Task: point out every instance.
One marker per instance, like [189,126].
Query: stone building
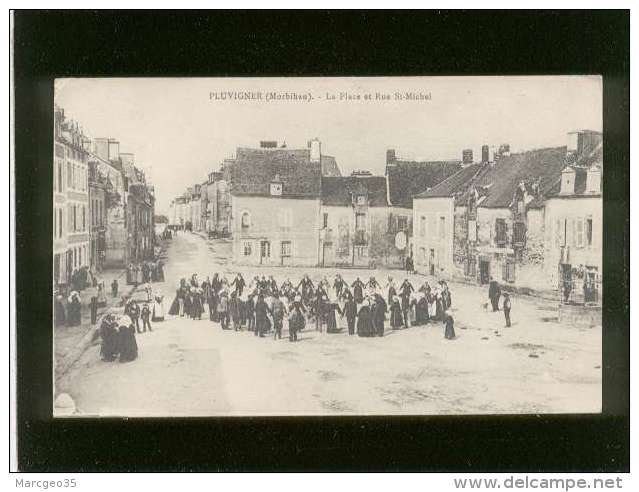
[354,221]
[275,201]
[71,227]
[491,219]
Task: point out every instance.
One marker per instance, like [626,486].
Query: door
[431,262]
[265,251]
[484,271]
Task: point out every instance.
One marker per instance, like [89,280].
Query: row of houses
[103,207]
[531,220]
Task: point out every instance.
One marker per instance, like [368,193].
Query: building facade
[71,228]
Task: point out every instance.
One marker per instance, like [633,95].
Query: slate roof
[456,183]
[409,178]
[501,180]
[496,183]
[254,169]
[337,191]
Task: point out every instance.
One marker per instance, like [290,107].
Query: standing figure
[390,290]
[160,272]
[250,312]
[234,310]
[74,309]
[338,285]
[146,315]
[449,322]
[396,319]
[279,311]
[364,321]
[372,285]
[126,342]
[296,320]
[114,288]
[329,314]
[158,307]
[261,316]
[223,309]
[494,293]
[378,313]
[350,311]
[239,284]
[109,348]
[405,292]
[506,307]
[358,291]
[133,310]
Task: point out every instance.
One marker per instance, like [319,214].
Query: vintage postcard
[327,246]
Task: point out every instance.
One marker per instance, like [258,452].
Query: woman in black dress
[364,321]
[110,347]
[449,322]
[126,339]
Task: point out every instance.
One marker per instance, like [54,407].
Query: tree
[160,219]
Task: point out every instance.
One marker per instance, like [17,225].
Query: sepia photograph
[327,246]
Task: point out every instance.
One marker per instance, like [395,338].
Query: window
[579,233]
[560,232]
[500,232]
[286,248]
[246,220]
[325,224]
[285,218]
[508,271]
[361,200]
[519,233]
[442,228]
[589,231]
[59,222]
[360,222]
[422,226]
[248,249]
[361,251]
[402,223]
[84,225]
[75,218]
[69,176]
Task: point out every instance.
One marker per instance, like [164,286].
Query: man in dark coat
[494,293]
[350,311]
[250,312]
[114,287]
[133,310]
[404,293]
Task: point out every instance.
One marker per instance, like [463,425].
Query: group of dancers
[262,306]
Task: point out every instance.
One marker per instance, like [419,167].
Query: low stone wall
[579,315]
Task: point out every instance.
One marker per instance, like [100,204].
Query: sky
[180,129]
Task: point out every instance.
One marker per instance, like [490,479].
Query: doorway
[484,271]
[265,251]
[431,263]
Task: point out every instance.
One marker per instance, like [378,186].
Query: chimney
[581,143]
[467,157]
[504,150]
[127,158]
[485,154]
[114,150]
[268,144]
[593,180]
[86,144]
[101,148]
[567,181]
[316,150]
[390,156]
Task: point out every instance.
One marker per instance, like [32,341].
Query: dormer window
[593,180]
[361,200]
[246,220]
[568,181]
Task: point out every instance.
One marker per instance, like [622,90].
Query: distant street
[194,368]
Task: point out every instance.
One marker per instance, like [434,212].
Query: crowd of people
[145,272]
[262,306]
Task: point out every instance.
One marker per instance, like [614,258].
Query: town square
[358,272]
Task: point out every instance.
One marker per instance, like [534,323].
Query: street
[193,368]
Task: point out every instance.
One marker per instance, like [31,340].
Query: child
[449,332]
[396,315]
[145,315]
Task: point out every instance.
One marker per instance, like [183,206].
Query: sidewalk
[71,341]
